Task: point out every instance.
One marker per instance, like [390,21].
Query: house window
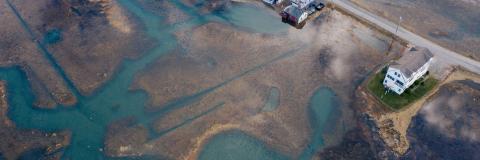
[399,90]
[399,83]
[390,77]
[398,75]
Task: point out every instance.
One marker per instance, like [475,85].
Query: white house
[405,71]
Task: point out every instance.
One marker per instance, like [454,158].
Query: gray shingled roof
[294,11]
[412,60]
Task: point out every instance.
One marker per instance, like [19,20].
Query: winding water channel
[88,119]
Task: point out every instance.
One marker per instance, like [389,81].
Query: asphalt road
[442,54]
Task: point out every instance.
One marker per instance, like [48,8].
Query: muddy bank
[19,48]
[88,39]
[353,146]
[126,134]
[205,87]
[447,127]
[20,143]
[454,24]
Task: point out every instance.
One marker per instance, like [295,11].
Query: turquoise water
[53,36]
[88,119]
[237,145]
[254,18]
[272,101]
[321,105]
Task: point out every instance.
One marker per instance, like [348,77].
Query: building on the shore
[299,10]
[294,14]
[402,73]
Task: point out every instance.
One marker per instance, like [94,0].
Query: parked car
[319,6]
[314,7]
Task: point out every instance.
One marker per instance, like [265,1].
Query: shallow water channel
[88,119]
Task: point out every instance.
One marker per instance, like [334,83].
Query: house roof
[412,60]
[302,3]
[294,11]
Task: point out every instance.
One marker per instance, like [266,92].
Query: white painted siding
[303,17]
[394,76]
[394,80]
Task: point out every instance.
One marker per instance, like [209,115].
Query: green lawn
[397,102]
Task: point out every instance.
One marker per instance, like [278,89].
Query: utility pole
[393,36]
[398,24]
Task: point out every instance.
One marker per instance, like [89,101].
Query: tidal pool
[53,36]
[253,18]
[321,105]
[233,145]
[236,145]
[272,101]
